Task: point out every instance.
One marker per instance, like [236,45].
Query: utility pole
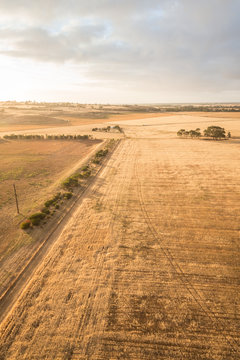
[15,193]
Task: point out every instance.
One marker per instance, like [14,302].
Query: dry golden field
[37,169]
[148,264]
[32,116]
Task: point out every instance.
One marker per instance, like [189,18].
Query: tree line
[46,137]
[213,132]
[108,129]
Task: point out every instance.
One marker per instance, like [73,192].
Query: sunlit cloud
[121,51]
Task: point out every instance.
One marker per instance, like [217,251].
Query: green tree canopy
[192,133]
[215,132]
[181,132]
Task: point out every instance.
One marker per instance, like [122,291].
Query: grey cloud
[40,44]
[153,43]
[48,11]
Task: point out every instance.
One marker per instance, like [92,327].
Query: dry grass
[37,168]
[148,265]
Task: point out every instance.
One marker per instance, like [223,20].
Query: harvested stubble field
[148,265]
[37,169]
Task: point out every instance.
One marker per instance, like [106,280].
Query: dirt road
[148,265]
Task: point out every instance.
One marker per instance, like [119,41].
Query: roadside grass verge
[76,180]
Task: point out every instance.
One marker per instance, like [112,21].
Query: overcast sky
[120,51]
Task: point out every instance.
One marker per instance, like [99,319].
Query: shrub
[68,195]
[96,161]
[45,210]
[85,168]
[85,174]
[101,153]
[53,201]
[57,196]
[25,224]
[48,203]
[75,176]
[36,218]
[71,182]
[38,215]
[36,221]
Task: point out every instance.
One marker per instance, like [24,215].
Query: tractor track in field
[180,273]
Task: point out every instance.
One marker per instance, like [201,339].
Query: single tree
[181,132]
[215,132]
[195,133]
